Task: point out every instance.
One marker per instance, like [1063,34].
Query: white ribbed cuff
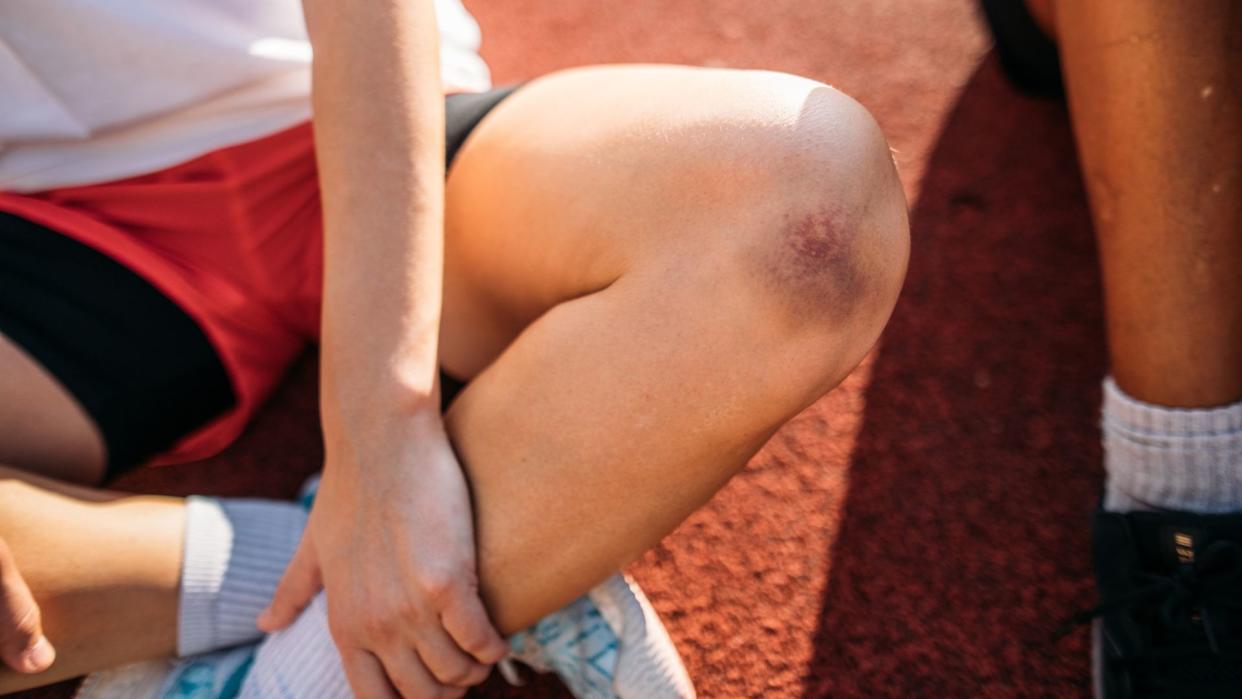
[235,554]
[1171,458]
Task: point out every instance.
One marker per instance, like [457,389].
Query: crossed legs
[648,271]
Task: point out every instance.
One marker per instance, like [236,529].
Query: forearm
[394,547]
[379,134]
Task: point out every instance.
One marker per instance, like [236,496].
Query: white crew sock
[235,554]
[298,662]
[1170,458]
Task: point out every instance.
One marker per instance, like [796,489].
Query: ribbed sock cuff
[1171,458]
[235,554]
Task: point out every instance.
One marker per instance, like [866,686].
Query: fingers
[22,644]
[402,675]
[401,672]
[366,676]
[300,584]
[467,622]
[416,655]
[447,663]
[412,678]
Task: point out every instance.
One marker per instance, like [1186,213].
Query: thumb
[23,646]
[296,589]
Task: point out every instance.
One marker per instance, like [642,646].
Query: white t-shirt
[98,90]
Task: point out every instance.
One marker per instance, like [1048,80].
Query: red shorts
[232,238]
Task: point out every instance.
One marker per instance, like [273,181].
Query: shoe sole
[1097,659]
[680,686]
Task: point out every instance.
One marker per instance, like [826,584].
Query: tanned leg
[1155,92]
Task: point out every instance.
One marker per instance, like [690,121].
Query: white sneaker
[217,675]
[607,644]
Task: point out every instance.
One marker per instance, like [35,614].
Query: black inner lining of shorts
[463,112]
[135,361]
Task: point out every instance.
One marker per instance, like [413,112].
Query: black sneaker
[1169,623]
[1028,57]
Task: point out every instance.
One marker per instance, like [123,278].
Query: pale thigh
[647,271]
[42,428]
[583,175]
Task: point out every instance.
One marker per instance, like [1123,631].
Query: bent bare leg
[648,271]
[103,568]
[702,254]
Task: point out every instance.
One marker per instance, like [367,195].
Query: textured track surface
[921,530]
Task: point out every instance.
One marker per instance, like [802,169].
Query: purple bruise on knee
[815,266]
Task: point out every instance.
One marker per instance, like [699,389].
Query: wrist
[349,392]
[369,427]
